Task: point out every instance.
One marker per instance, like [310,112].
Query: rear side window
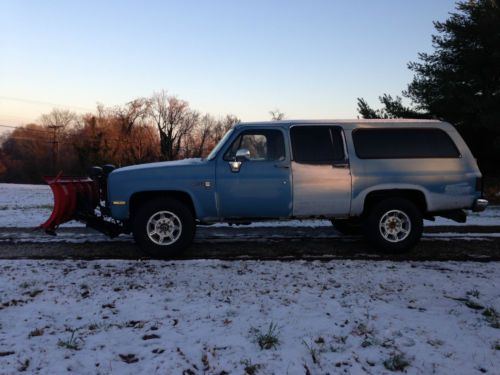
[400,143]
[317,144]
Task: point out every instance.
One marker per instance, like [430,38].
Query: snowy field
[30,205]
[248,317]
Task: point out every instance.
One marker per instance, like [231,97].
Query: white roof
[351,123]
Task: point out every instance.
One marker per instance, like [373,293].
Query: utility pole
[55,145]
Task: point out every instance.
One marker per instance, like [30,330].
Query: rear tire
[394,225]
[164,227]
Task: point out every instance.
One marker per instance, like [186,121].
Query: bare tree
[222,126]
[58,117]
[174,119]
[276,114]
[206,133]
[204,130]
[133,113]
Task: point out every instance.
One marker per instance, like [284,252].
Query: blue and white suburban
[379,177]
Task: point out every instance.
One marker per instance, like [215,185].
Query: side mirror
[241,155]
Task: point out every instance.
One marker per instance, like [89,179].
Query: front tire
[394,225]
[164,227]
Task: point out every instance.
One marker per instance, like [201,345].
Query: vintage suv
[381,177]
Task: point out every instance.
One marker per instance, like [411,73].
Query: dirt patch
[283,249]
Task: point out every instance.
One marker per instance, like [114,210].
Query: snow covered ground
[30,205]
[215,317]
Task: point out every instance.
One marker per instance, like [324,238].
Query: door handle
[340,165]
[283,166]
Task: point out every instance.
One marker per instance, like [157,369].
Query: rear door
[320,171]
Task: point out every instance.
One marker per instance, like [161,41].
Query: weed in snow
[36,332]
[73,343]
[492,317]
[250,368]
[98,326]
[435,342]
[473,305]
[205,361]
[396,362]
[473,293]
[23,366]
[340,342]
[150,337]
[496,345]
[362,329]
[129,358]
[25,285]
[269,339]
[313,352]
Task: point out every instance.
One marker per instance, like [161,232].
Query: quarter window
[317,144]
[264,145]
[409,143]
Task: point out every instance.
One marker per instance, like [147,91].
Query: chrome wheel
[395,226]
[164,228]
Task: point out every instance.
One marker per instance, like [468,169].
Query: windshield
[220,144]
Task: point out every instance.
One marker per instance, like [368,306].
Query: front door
[320,170]
[253,176]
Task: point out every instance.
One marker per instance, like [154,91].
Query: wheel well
[137,199]
[415,196]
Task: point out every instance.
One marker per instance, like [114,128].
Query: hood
[161,164]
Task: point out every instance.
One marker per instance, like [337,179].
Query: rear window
[317,144]
[403,144]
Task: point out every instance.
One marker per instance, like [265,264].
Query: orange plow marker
[75,198]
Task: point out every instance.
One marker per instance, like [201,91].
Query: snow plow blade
[75,198]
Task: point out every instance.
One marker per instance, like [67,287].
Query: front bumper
[479,205]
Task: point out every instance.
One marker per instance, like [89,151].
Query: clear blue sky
[310,59]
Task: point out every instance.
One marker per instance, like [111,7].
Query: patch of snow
[205,316]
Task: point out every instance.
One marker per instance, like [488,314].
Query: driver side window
[264,145]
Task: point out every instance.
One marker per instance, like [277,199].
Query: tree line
[160,127]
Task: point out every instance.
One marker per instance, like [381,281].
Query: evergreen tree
[460,80]
[392,108]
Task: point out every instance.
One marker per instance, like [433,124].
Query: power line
[44,103]
[30,139]
[23,128]
[86,138]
